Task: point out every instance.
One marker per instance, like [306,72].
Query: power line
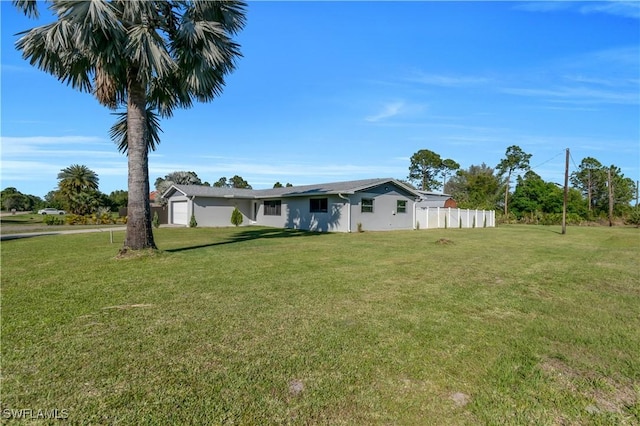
[551,159]
[573,161]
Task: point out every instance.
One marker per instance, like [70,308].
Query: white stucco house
[376,204]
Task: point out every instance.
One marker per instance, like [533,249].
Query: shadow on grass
[11,220]
[252,234]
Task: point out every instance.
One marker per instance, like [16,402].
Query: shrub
[156,220]
[634,217]
[193,223]
[236,217]
[53,220]
[73,219]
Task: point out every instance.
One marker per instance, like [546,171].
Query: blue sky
[331,91]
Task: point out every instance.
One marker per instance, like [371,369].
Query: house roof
[209,191]
[345,187]
[426,195]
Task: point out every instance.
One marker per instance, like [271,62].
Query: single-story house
[375,204]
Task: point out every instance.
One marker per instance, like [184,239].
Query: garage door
[179,212]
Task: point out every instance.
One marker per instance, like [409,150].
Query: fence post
[427,218]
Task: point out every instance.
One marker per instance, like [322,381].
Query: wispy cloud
[50,140]
[389,110]
[446,80]
[625,9]
[577,95]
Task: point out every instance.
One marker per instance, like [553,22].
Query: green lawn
[512,325]
[31,222]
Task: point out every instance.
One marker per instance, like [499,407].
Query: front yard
[512,325]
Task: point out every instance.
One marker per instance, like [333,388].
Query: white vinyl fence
[441,217]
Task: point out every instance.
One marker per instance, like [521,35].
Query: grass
[512,325]
[31,222]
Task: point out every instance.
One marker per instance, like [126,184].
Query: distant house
[375,204]
[435,199]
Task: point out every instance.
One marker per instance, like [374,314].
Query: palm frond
[51,49]
[28,7]
[147,50]
[119,134]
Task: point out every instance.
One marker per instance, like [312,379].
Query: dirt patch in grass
[610,395]
[444,241]
[460,399]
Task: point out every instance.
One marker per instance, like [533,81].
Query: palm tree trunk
[139,230]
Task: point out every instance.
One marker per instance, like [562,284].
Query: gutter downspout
[348,211]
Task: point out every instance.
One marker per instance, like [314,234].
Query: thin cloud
[447,80]
[388,111]
[578,95]
[51,140]
[625,9]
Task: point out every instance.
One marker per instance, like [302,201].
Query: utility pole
[566,194]
[610,185]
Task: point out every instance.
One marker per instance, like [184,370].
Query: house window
[401,206]
[272,208]
[319,205]
[367,205]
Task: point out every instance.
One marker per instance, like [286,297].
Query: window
[272,208]
[319,205]
[401,206]
[367,205]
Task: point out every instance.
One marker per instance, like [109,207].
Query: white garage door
[179,212]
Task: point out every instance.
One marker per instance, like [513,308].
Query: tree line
[596,190]
[77,191]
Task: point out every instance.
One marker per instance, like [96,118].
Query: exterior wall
[385,215]
[295,214]
[217,211]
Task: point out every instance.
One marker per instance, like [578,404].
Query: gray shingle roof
[346,187]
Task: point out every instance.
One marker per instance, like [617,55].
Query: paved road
[73,231]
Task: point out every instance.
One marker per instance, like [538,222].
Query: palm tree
[147,57]
[77,184]
[76,179]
